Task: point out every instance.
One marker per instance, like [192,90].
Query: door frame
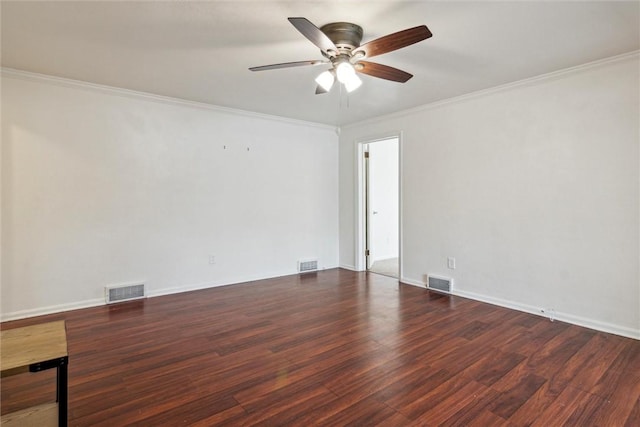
[361,188]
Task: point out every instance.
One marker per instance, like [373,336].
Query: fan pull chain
[344,95]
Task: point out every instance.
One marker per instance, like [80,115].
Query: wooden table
[33,349]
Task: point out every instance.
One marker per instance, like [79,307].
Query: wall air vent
[307,266]
[121,293]
[439,283]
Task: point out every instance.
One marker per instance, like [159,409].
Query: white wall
[104,187]
[534,188]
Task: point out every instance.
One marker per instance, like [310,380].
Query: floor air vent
[307,266]
[441,284]
[124,292]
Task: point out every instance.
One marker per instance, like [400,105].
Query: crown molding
[634,55]
[128,93]
[61,81]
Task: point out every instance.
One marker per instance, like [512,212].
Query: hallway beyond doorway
[386,267]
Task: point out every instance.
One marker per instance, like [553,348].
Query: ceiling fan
[339,43]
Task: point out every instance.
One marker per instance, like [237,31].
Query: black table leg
[62,394]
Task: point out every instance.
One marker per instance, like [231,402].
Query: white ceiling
[201,51]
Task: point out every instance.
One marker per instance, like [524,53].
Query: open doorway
[381,210]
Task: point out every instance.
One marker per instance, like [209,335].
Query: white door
[382,201]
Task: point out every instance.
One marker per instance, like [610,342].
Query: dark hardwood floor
[333,348]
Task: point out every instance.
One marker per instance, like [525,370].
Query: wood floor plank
[582,371]
[347,411]
[553,355]
[571,402]
[461,357]
[419,396]
[287,404]
[532,339]
[473,409]
[530,410]
[620,402]
[229,417]
[380,380]
[583,411]
[634,416]
[332,348]
[590,363]
[395,420]
[516,395]
[186,409]
[487,418]
[492,366]
[461,402]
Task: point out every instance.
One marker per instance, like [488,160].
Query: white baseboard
[562,317]
[412,282]
[348,267]
[23,314]
[227,282]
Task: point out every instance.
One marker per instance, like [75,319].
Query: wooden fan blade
[382,71]
[314,34]
[394,41]
[288,65]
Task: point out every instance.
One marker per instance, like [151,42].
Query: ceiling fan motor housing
[345,35]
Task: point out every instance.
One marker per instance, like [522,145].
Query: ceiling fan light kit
[352,83]
[339,43]
[347,76]
[344,71]
[326,80]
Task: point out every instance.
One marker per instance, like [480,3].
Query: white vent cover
[307,266]
[120,293]
[439,283]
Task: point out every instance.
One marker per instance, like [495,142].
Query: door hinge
[366,154]
[366,253]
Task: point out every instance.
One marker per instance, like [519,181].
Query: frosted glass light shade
[345,70]
[352,83]
[325,80]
